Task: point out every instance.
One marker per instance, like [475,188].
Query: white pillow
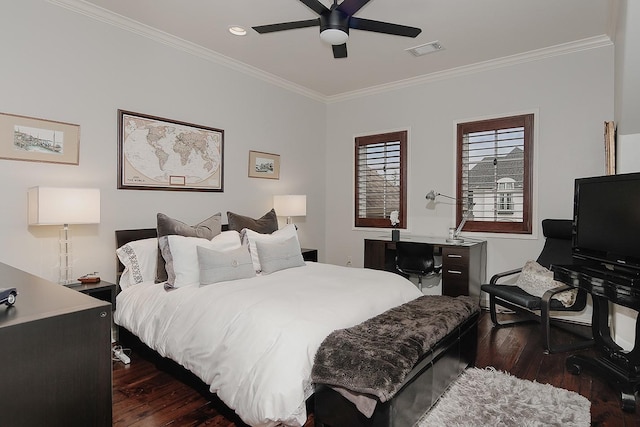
[139,258]
[250,237]
[181,256]
[275,256]
[221,266]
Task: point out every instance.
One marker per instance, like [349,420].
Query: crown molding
[534,55]
[111,18]
[108,17]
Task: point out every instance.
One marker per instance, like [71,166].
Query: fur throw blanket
[375,356]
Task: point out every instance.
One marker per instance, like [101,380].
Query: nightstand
[102,290]
[310,254]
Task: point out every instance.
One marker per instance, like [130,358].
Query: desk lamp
[64,206]
[455,236]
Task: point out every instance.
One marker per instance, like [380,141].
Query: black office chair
[413,258]
[557,250]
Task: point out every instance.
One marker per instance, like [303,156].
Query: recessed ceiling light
[423,49]
[237,30]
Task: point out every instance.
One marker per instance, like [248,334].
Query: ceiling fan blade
[316,6]
[262,29]
[383,27]
[340,50]
[352,6]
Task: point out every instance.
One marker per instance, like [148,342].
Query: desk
[620,368]
[464,266]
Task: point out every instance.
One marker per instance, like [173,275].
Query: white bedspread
[253,340]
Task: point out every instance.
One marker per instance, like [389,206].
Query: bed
[252,340]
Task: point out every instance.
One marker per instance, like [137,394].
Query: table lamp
[64,206]
[290,205]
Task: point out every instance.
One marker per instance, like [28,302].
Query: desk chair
[413,258]
[557,250]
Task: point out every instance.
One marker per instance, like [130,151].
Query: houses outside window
[506,187]
[494,174]
[380,179]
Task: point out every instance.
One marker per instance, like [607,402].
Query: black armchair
[557,250]
[413,258]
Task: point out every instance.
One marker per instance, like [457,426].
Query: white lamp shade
[57,206]
[290,205]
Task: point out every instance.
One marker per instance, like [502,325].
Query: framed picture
[264,165]
[38,140]
[162,154]
[610,148]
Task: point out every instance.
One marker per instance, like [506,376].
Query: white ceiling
[474,33]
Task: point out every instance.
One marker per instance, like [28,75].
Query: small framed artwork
[38,140]
[163,154]
[264,165]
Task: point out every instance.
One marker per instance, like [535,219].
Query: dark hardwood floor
[151,392]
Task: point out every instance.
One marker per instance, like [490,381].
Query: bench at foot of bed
[422,387]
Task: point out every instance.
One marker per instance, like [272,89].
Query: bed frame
[129,339]
[424,385]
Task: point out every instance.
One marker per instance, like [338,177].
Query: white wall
[627,112]
[627,66]
[572,95]
[64,66]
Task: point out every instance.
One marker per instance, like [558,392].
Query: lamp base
[455,240]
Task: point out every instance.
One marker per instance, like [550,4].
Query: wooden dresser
[464,266]
[55,355]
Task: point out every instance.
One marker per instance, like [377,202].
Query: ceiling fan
[335,23]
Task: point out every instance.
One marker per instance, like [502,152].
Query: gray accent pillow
[220,266]
[207,229]
[267,224]
[276,256]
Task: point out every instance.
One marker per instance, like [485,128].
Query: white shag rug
[487,397]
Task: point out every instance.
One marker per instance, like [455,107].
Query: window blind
[494,173]
[379,178]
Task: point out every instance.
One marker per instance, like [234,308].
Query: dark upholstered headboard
[125,236]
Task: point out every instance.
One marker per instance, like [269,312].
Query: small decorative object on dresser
[8,296]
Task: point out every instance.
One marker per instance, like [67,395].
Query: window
[494,174]
[380,181]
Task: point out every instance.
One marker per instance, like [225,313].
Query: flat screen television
[606,221]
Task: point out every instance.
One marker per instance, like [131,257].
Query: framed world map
[161,154]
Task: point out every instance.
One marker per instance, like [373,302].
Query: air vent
[423,49]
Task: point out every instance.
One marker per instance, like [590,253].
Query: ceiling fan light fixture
[334,36]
